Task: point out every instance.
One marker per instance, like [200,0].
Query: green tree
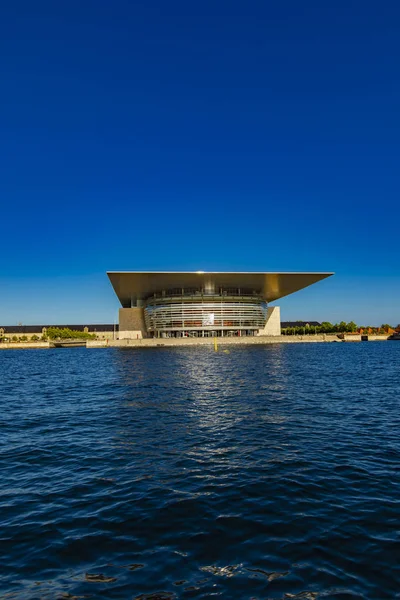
[54,333]
[326,327]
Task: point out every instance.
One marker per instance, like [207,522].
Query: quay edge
[176,342]
[245,341]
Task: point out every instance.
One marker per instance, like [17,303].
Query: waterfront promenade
[228,341]
[176,342]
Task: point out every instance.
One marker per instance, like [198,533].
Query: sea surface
[154,474]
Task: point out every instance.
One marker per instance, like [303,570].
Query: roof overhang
[131,286]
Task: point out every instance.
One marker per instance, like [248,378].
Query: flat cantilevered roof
[131,286]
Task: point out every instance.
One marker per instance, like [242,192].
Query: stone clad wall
[273,324]
[131,324]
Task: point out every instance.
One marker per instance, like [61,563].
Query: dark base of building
[204,333]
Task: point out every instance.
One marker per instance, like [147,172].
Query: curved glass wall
[202,313]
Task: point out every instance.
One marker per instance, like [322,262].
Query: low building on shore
[101,331]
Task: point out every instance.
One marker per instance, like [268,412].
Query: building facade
[101,331]
[199,304]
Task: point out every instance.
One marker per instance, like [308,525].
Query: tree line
[341,327]
[55,333]
[51,333]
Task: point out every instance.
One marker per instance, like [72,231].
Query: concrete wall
[24,345]
[209,342]
[273,324]
[105,335]
[131,324]
[355,337]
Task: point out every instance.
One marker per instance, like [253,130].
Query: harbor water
[264,472]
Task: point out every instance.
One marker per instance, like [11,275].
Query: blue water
[268,472]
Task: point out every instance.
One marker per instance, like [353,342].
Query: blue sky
[218,135]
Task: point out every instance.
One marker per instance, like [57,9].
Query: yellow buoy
[215,345]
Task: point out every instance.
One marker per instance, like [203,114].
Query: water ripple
[266,473]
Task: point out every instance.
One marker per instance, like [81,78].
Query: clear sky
[213,135]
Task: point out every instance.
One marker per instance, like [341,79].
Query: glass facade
[194,313]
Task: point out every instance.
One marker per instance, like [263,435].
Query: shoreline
[229,341]
[176,342]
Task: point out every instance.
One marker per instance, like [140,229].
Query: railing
[200,292]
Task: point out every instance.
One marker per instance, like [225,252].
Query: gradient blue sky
[213,135]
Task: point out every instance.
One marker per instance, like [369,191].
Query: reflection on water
[268,472]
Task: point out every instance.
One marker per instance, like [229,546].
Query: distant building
[200,304]
[290,324]
[38,329]
[100,330]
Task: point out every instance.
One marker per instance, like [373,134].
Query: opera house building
[201,304]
